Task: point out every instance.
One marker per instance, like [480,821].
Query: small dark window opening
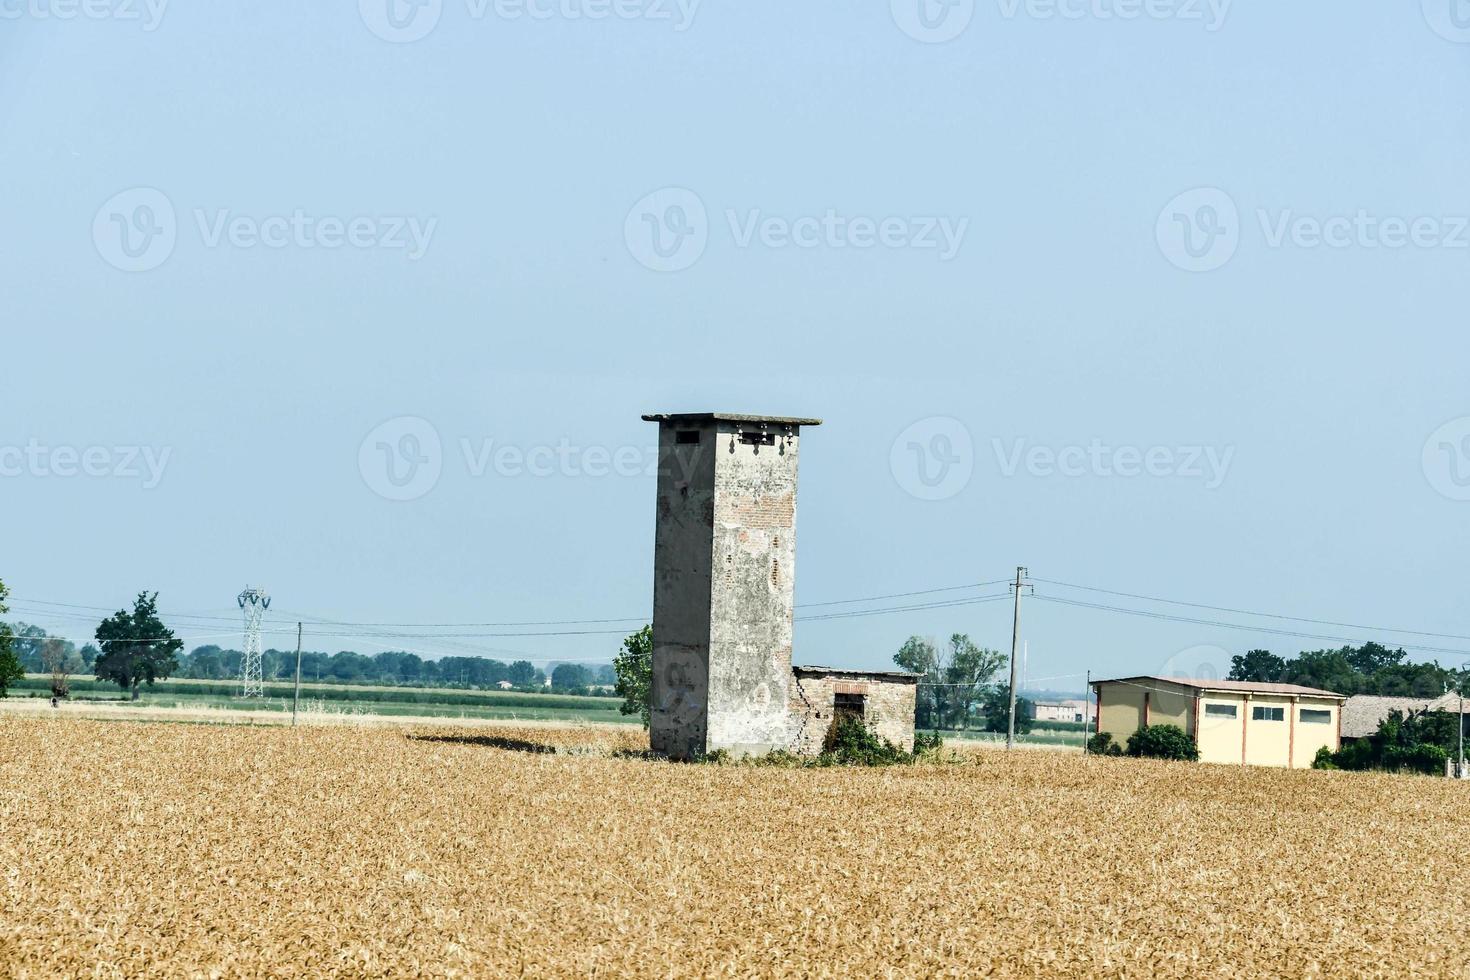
[849,706]
[686,437]
[758,438]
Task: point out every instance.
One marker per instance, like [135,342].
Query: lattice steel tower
[254,603]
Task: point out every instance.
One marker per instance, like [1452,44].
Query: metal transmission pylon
[254,603]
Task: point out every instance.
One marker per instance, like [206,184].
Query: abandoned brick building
[723,598]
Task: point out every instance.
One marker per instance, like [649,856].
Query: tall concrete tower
[724,570]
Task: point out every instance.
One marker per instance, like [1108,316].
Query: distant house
[1235,722]
[504,685]
[1070,710]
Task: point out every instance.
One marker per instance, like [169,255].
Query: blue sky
[1072,253]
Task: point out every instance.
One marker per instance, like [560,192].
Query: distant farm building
[723,598]
[1233,722]
[1074,711]
[1363,713]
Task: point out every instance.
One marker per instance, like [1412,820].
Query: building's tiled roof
[1361,713]
[1449,702]
[890,675]
[677,417]
[1245,687]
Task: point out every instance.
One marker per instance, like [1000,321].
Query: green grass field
[346,699]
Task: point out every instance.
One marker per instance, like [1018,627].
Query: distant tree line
[1369,669]
[134,648]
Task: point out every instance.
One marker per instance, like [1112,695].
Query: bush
[1102,744]
[927,743]
[1420,757]
[1163,742]
[852,743]
[1324,759]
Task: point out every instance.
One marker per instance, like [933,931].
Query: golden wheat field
[162,850]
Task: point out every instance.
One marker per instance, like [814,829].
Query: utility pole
[1015,636]
[296,698]
[1460,728]
[1086,713]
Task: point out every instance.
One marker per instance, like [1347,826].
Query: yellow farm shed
[1233,722]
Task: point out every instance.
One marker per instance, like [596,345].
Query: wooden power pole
[1015,636]
[296,698]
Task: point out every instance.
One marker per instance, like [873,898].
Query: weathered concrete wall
[752,593]
[724,568]
[682,561]
[889,708]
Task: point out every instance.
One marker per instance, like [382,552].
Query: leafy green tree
[10,665]
[1163,742]
[953,678]
[1329,670]
[28,641]
[523,673]
[136,647]
[997,707]
[634,669]
[1257,665]
[1372,657]
[570,677]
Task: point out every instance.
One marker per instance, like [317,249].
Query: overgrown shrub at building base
[1102,744]
[1420,743]
[849,743]
[163,850]
[1163,742]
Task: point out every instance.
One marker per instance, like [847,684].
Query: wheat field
[131,849]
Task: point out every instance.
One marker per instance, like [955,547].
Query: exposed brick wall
[889,708]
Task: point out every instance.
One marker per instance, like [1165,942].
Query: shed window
[686,437]
[1262,713]
[849,706]
[1316,716]
[1219,710]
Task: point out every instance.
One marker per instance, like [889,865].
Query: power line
[1170,617]
[1265,615]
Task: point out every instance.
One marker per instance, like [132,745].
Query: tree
[28,645]
[59,659]
[523,674]
[634,669]
[1329,670]
[1372,657]
[89,654]
[10,666]
[1257,665]
[997,705]
[952,680]
[570,677]
[136,647]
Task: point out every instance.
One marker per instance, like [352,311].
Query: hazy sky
[1162,298]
